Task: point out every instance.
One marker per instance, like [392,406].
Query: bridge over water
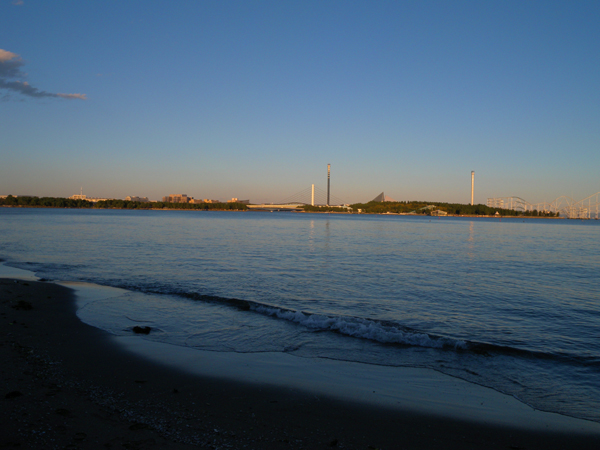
[277,207]
[309,196]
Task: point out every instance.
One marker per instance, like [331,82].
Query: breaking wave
[386,333]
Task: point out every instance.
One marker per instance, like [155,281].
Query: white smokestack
[328,177]
[472,185]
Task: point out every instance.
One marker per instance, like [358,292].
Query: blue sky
[252,99]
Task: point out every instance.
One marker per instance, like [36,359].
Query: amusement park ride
[588,208]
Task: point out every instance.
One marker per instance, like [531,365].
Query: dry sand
[69,385]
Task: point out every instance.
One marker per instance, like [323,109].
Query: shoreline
[302,212]
[79,386]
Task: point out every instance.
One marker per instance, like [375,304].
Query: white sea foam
[360,328]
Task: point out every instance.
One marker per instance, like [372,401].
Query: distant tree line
[57,202]
[416,207]
[124,204]
[426,208]
[311,208]
[48,202]
[200,206]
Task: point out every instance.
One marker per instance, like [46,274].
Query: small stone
[141,330]
[24,305]
[80,436]
[13,394]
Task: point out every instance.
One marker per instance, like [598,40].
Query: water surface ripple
[513,304]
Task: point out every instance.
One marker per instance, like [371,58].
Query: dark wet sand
[66,384]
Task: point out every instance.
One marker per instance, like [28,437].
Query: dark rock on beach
[13,394]
[142,330]
[24,305]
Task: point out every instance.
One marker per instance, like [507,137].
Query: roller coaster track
[588,208]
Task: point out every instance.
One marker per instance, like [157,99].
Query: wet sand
[66,384]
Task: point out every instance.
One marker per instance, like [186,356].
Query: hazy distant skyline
[252,99]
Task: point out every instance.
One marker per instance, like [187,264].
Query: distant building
[133,198]
[183,198]
[17,196]
[79,196]
[177,198]
[383,198]
[236,200]
[89,199]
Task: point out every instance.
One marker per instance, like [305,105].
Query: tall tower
[472,185]
[328,178]
[312,197]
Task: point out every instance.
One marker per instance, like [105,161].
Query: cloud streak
[11,77]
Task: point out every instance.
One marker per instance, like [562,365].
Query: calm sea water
[512,304]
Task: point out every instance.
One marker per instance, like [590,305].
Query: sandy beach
[69,385]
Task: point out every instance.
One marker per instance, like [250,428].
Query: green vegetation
[123,204]
[54,202]
[310,208]
[414,207]
[426,208]
[48,202]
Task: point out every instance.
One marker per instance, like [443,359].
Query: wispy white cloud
[18,2]
[80,96]
[11,77]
